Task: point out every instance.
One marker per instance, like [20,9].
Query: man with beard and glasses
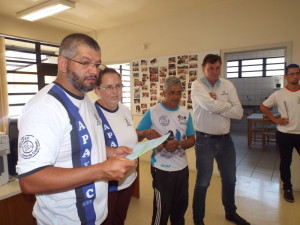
[287,101]
[62,152]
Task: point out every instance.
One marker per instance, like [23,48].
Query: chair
[269,132]
[257,131]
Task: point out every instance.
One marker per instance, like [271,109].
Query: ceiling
[91,15]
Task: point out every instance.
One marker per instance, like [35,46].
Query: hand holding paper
[144,147]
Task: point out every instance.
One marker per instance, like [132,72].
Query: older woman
[119,131]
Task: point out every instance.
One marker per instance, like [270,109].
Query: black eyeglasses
[86,65]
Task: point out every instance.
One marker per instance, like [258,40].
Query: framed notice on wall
[148,76]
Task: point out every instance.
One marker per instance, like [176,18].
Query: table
[256,124]
[15,207]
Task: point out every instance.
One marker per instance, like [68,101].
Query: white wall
[224,25]
[254,90]
[30,30]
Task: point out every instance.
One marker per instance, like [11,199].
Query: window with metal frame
[263,63]
[23,60]
[124,70]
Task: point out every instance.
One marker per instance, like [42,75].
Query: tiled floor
[258,193]
[256,162]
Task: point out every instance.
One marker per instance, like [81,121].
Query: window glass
[20,77]
[49,59]
[233,63]
[20,56]
[124,70]
[22,88]
[49,79]
[19,99]
[276,60]
[232,75]
[232,69]
[275,67]
[252,62]
[21,66]
[126,94]
[15,110]
[252,68]
[260,63]
[127,104]
[275,73]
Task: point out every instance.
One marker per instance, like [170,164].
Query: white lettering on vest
[86,153]
[90,193]
[106,127]
[85,138]
[113,144]
[87,202]
[110,134]
[81,126]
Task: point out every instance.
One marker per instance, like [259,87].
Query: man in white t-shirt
[62,153]
[287,101]
[169,167]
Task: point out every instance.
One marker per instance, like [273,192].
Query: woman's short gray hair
[171,81]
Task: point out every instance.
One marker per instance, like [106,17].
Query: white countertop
[10,189]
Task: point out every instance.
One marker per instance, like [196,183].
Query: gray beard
[78,83]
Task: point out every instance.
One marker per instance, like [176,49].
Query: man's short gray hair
[69,44]
[171,81]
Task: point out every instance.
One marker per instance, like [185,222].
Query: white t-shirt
[120,121]
[291,110]
[45,139]
[163,120]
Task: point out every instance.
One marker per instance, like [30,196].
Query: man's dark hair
[289,67]
[102,72]
[211,58]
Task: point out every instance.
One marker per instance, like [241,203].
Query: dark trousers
[170,196]
[118,202]
[208,148]
[286,143]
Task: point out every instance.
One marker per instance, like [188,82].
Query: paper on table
[144,147]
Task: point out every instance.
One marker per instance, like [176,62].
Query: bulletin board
[148,76]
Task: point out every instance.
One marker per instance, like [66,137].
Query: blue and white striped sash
[81,155]
[110,140]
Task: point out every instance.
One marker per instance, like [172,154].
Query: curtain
[3,88]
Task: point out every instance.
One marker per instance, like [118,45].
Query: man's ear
[62,64]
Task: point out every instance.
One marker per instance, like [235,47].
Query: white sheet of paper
[142,148]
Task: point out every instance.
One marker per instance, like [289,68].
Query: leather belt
[212,135]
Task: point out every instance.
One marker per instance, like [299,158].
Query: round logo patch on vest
[164,120]
[29,146]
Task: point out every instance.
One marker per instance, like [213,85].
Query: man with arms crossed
[287,101]
[62,150]
[215,102]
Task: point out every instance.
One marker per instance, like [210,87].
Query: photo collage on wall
[148,76]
